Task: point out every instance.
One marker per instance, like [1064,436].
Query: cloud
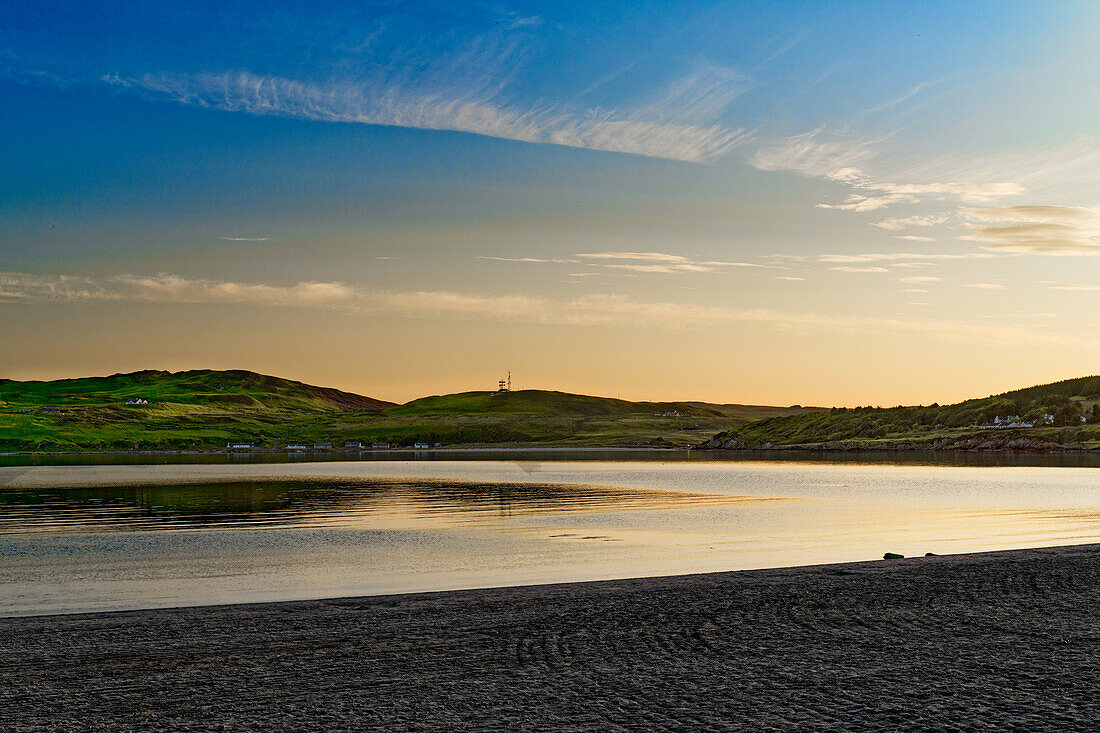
[1049,170]
[903,98]
[786,277]
[984,286]
[1069,286]
[455,104]
[859,269]
[890,257]
[702,94]
[1056,214]
[916,279]
[588,310]
[881,194]
[661,262]
[647,256]
[913,290]
[528,259]
[915,238]
[667,268]
[245,239]
[896,224]
[844,159]
[1036,229]
[816,154]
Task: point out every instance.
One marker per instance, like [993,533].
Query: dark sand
[1006,640]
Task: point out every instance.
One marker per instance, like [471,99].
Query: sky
[828,203]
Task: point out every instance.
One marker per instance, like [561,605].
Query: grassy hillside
[1062,412]
[202,410]
[195,409]
[197,387]
[542,402]
[756,412]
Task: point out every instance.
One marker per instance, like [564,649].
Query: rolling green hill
[197,387]
[1063,413]
[203,410]
[542,402]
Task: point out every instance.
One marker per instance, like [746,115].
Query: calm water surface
[101,537]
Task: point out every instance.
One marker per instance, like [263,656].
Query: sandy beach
[1007,640]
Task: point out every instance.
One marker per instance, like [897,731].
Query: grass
[203,410]
[1072,404]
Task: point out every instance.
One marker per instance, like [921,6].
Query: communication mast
[505,385]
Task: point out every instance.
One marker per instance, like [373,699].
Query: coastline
[977,444]
[966,443]
[988,640]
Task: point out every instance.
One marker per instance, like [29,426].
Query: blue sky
[567,189]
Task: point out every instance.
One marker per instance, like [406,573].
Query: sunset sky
[817,203]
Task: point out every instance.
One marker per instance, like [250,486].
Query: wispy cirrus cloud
[1045,170]
[661,262]
[471,106]
[816,154]
[898,223]
[588,310]
[1070,286]
[872,194]
[1021,229]
[538,260]
[889,257]
[843,158]
[645,256]
[245,239]
[651,262]
[914,91]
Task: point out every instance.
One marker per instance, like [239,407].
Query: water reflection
[314,503]
[537,455]
[114,537]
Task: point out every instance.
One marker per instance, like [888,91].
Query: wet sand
[1003,641]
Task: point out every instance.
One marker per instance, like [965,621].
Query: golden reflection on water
[376,503]
[97,538]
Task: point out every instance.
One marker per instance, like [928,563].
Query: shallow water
[105,537]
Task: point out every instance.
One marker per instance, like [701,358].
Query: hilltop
[547,402]
[195,387]
[1044,417]
[205,409]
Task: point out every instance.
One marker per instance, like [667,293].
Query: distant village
[349,445]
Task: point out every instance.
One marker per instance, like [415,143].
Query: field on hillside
[205,410]
[1066,412]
